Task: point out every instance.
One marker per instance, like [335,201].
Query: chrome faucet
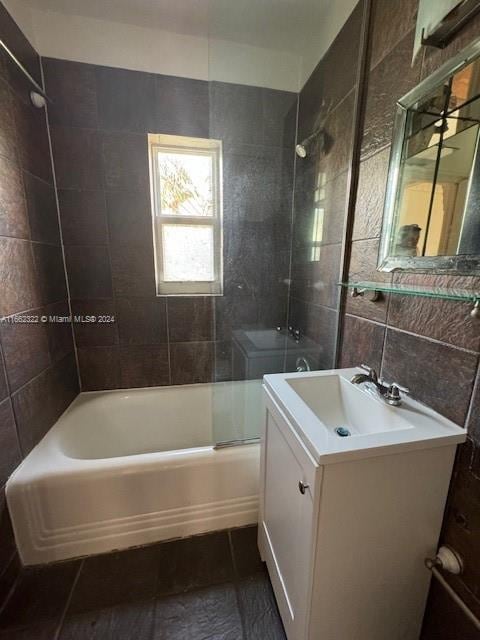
[390,392]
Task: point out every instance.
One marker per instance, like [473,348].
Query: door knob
[302,487]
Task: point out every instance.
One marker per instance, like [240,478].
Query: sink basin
[337,420]
[340,404]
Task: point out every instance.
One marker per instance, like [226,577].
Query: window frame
[189,146]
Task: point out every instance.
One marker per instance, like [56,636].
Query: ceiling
[285,25]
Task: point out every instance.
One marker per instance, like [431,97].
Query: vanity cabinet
[345,542]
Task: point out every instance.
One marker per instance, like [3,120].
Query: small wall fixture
[37,99]
[302,148]
[447,559]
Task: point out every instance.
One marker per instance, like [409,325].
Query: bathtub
[131,467]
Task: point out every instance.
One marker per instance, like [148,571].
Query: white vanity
[346,521]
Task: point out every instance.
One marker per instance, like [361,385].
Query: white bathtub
[131,467]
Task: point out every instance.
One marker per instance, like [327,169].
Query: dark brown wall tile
[39,403]
[279,118]
[93,334]
[129,218]
[9,450]
[125,161]
[311,103]
[181,106]
[3,378]
[462,531]
[318,324]
[143,366]
[8,134]
[223,361]
[32,140]
[25,349]
[142,321]
[474,415]
[335,205]
[362,343]
[444,620]
[384,89]
[126,99]
[50,272]
[236,113]
[442,377]
[363,266]
[42,210]
[89,274]
[192,362]
[391,23]
[13,213]
[18,278]
[190,319]
[343,56]
[77,158]
[60,336]
[9,563]
[16,41]
[327,276]
[371,196]
[99,368]
[443,320]
[133,271]
[84,219]
[72,88]
[336,157]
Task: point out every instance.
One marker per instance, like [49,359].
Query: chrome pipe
[432,565]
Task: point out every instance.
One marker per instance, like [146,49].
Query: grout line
[40,373]
[415,335]
[235,584]
[167,318]
[62,244]
[67,604]
[32,309]
[434,340]
[369,155]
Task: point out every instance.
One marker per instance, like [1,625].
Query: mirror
[432,208]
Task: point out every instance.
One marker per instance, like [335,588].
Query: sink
[337,420]
[340,404]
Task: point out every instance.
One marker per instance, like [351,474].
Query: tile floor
[209,587]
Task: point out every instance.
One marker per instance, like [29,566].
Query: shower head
[302,147]
[301,151]
[37,99]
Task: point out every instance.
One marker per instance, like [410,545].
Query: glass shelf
[465,295]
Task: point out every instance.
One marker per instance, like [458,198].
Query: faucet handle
[395,385]
[371,372]
[392,394]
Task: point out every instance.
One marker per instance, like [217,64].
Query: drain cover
[342,432]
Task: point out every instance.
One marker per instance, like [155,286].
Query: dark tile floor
[210,587]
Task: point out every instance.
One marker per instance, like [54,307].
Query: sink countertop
[376,428]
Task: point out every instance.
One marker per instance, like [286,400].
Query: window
[186,183]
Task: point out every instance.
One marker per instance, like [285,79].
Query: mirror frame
[460,264]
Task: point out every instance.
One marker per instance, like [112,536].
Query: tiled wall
[327,97]
[431,346]
[38,376]
[99,123]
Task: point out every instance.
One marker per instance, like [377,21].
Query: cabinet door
[287,525]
